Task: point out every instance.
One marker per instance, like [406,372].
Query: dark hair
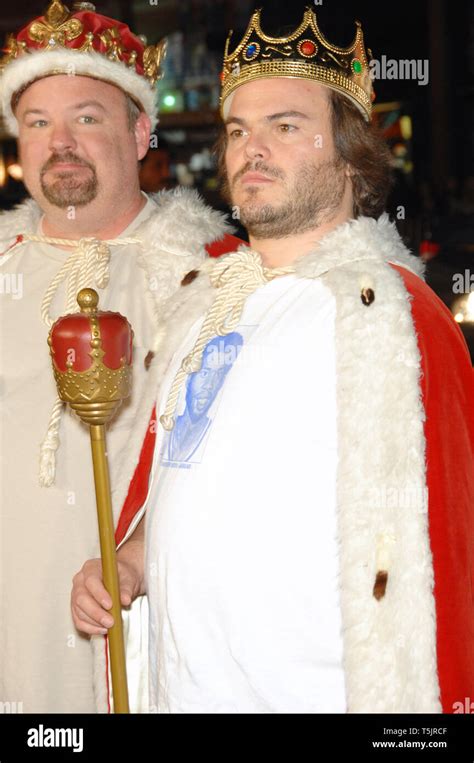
[364,148]
[357,143]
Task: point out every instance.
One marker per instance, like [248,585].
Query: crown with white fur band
[80,42]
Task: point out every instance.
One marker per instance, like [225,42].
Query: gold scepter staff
[91,352]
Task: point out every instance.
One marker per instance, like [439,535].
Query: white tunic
[46,534]
[242,560]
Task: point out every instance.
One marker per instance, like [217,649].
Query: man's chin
[259,213]
[198,413]
[256,199]
[76,196]
[259,193]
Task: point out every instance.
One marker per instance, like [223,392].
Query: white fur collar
[173,239]
[183,225]
[359,240]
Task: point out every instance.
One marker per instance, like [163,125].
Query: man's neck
[280,252]
[85,224]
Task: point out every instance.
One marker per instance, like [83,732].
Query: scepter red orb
[92,356]
[72,341]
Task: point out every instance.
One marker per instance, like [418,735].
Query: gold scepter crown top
[91,352]
[305,53]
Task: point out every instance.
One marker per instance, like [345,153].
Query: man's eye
[87,120]
[236,134]
[38,123]
[286,128]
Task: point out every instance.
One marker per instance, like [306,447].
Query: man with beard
[319,555]
[79,91]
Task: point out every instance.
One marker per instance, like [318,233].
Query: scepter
[91,353]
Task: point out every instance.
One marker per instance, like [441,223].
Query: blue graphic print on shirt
[201,390]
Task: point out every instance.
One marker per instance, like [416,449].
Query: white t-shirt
[242,559]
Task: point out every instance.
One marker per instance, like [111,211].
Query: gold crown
[305,53]
[81,42]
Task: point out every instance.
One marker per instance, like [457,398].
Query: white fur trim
[182,226]
[32,66]
[362,239]
[390,656]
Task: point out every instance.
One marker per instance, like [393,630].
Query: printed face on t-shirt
[201,391]
[203,385]
[202,388]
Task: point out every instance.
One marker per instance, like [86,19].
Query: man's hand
[90,601]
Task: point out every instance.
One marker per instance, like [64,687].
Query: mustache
[259,166]
[67,157]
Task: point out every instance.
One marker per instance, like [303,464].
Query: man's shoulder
[22,219]
[438,333]
[185,206]
[183,224]
[424,299]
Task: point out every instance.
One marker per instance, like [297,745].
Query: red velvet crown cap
[71,341]
[96,24]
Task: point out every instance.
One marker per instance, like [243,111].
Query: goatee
[68,189]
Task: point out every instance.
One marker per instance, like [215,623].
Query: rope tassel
[49,446]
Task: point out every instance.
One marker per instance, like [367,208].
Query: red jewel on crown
[307,48]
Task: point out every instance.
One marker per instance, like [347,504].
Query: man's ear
[142,134]
[349,172]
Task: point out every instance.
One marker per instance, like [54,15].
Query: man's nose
[62,138]
[256,147]
[208,383]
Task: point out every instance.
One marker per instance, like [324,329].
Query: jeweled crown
[80,42]
[305,53]
[83,30]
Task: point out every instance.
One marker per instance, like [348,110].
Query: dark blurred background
[430,127]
